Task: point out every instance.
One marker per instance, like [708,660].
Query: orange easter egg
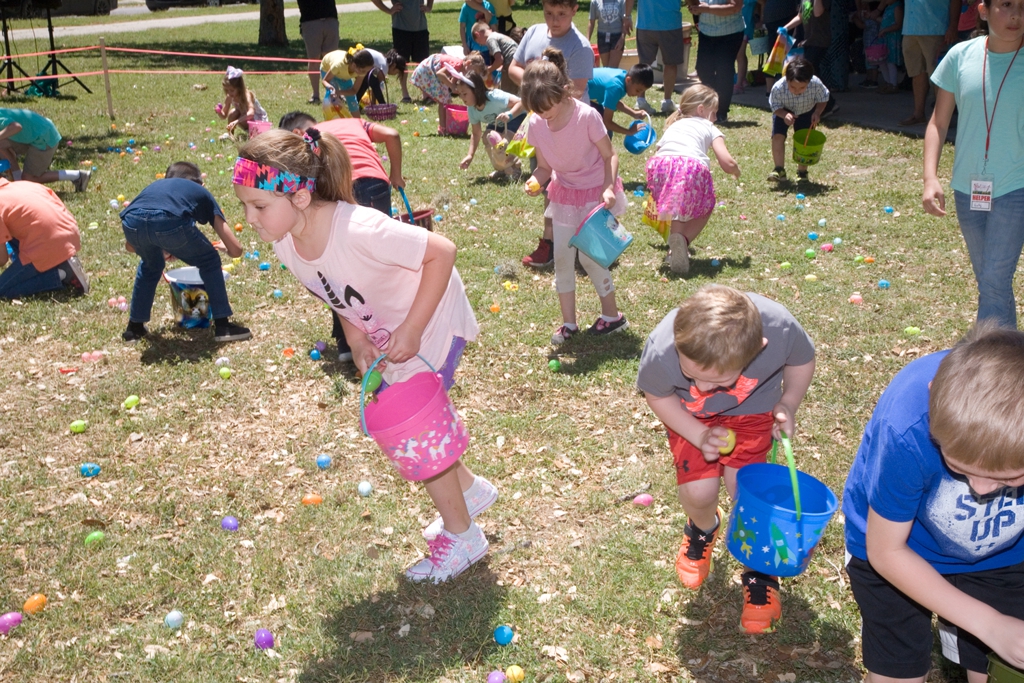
[35,604]
[869,259]
[312,499]
[495,308]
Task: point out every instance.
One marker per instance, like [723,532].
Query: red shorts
[753,441]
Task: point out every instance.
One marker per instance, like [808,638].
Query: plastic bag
[519,146]
[777,59]
[651,218]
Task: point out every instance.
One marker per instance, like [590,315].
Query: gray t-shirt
[759,387]
[608,14]
[411,18]
[579,56]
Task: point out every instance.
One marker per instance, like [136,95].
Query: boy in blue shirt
[934,507]
[25,133]
[608,86]
[161,222]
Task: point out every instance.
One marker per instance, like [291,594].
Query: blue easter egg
[800,207]
[445,207]
[323,461]
[89,469]
[780,217]
[472,202]
[800,197]
[438,218]
[888,209]
[812,236]
[314,354]
[837,241]
[277,292]
[264,266]
[255,254]
[365,488]
[174,620]
[503,635]
[883,284]
[715,262]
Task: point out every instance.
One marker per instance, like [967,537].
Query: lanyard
[984,97]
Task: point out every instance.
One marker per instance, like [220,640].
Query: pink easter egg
[856,299]
[86,357]
[111,302]
[9,622]
[644,499]
[827,246]
[121,299]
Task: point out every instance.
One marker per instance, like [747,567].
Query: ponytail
[546,82]
[322,157]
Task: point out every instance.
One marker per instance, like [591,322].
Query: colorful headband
[248,173]
[233,73]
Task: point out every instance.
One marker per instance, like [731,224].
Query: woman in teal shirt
[721,33]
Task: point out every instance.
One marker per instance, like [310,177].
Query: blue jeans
[151,233]
[22,279]
[373,193]
[994,242]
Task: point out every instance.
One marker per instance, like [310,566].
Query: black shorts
[779,127]
[896,632]
[413,45]
[606,42]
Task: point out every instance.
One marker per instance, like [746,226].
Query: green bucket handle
[788,450]
[366,380]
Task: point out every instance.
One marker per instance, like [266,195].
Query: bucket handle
[650,127]
[788,450]
[366,380]
[408,207]
[808,136]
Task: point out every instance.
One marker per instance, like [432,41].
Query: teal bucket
[601,237]
[779,516]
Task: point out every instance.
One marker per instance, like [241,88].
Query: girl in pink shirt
[394,287]
[575,154]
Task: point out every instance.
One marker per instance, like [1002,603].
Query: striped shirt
[714,25]
[782,98]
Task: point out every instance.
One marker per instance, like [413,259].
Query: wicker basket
[384,111]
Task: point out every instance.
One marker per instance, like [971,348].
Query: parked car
[157,5]
[21,9]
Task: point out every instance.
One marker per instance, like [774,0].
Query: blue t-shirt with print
[659,15]
[176,198]
[468,17]
[36,130]
[607,87]
[498,101]
[900,474]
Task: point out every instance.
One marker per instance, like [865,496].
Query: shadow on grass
[809,187]
[704,267]
[805,642]
[449,627]
[732,123]
[177,346]
[584,354]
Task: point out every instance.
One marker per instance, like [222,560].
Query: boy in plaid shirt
[796,100]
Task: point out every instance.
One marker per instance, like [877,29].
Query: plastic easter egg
[826,247]
[289,352]
[120,197]
[239,227]
[822,223]
[554,365]
[9,622]
[264,639]
[174,619]
[224,372]
[314,355]
[323,461]
[312,499]
[114,204]
[374,381]
[730,443]
[264,266]
[785,265]
[89,469]
[95,538]
[255,254]
[35,604]
[912,331]
[858,259]
[503,634]
[78,426]
[811,278]
[883,284]
[472,202]
[495,307]
[837,241]
[277,292]
[229,523]
[223,360]
[800,207]
[644,499]
[515,674]
[888,209]
[780,217]
[320,346]
[438,218]
[812,236]
[810,253]
[533,186]
[365,488]
[869,259]
[856,299]
[496,677]
[800,197]
[130,402]
[715,263]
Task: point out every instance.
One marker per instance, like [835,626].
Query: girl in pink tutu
[679,174]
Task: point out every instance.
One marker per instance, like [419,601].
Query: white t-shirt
[380,62]
[689,137]
[370,273]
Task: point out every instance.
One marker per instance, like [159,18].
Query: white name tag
[981,193]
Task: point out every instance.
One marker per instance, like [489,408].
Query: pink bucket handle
[366,380]
[589,216]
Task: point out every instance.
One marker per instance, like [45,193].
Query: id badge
[982,187]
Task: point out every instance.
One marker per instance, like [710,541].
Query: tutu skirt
[681,186]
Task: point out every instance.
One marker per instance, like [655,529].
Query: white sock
[472,532]
[610,319]
[473,489]
[571,326]
[68,175]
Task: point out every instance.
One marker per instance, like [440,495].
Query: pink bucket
[415,425]
[257,127]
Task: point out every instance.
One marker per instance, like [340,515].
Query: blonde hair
[975,412]
[690,101]
[474,63]
[719,328]
[546,82]
[290,152]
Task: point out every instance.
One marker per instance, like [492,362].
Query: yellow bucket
[807,146]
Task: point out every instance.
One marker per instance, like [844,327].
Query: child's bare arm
[590,30]
[725,159]
[541,175]
[9,130]
[363,350]
[393,144]
[231,243]
[474,144]
[894,560]
[673,415]
[438,262]
[933,198]
[796,379]
[611,170]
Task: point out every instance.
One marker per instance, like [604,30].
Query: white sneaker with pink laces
[480,496]
[450,555]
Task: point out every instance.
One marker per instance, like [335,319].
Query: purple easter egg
[264,639]
[229,524]
[644,499]
[320,346]
[9,622]
[496,677]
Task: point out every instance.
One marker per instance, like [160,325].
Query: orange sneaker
[762,608]
[693,563]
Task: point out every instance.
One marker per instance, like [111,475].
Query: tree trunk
[272,30]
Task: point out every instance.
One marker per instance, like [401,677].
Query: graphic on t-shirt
[355,310]
[980,526]
[743,388]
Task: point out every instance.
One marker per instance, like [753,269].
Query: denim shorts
[606,42]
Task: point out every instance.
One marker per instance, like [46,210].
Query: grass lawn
[587,581]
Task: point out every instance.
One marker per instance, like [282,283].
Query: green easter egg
[912,331]
[554,365]
[78,426]
[785,265]
[858,259]
[95,538]
[225,373]
[130,402]
[373,381]
[810,253]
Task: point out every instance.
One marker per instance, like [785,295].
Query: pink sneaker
[484,497]
[449,556]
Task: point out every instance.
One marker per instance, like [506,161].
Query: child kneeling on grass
[796,100]
[933,507]
[724,362]
[161,222]
[395,288]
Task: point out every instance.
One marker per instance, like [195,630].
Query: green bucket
[1001,672]
[807,146]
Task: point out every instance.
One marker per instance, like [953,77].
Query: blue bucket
[779,516]
[644,137]
[601,237]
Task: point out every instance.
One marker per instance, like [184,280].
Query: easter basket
[385,111]
[423,217]
[457,119]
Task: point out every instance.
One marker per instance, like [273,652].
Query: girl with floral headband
[393,285]
[240,104]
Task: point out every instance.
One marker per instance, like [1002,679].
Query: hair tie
[233,73]
[312,138]
[249,173]
[356,48]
